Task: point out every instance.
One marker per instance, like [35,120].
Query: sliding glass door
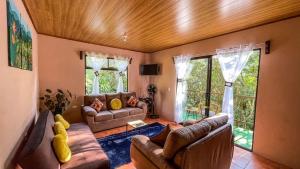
[197,85]
[206,89]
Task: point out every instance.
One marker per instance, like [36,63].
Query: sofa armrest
[87,110]
[142,105]
[151,151]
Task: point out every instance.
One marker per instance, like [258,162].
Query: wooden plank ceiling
[152,25]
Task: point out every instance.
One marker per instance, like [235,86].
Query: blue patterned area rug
[117,146]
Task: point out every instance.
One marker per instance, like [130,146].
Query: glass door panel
[245,88]
[196,89]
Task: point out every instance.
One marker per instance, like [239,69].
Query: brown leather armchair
[207,144]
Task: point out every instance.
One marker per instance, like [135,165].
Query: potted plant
[57,101]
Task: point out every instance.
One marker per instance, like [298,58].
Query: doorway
[205,89]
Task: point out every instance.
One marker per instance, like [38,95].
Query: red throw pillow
[132,101]
[97,105]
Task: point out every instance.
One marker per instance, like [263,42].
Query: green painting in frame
[19,39]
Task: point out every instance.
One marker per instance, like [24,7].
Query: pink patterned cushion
[132,101]
[97,105]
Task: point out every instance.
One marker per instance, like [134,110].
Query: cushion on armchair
[160,139]
[190,122]
[182,137]
[217,120]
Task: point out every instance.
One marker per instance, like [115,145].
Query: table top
[136,123]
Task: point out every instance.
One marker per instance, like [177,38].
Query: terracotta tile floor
[242,159]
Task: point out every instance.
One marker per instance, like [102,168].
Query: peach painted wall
[18,91]
[61,67]
[277,117]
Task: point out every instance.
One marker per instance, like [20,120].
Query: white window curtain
[183,69]
[232,61]
[97,62]
[121,63]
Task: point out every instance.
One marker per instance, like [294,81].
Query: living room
[67,37]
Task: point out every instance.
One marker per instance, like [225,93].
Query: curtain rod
[249,44]
[83,55]
[266,44]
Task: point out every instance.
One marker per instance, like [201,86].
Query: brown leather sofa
[207,144]
[108,118]
[39,154]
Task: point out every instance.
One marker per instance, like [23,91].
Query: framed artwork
[19,39]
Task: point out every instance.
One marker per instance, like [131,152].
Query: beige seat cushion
[182,137]
[86,152]
[134,111]
[120,113]
[104,116]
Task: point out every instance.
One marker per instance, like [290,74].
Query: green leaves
[56,102]
[244,88]
[60,91]
[107,81]
[48,90]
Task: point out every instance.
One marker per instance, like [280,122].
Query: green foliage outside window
[244,89]
[107,78]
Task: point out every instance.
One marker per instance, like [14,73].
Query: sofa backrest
[106,99]
[37,152]
[88,100]
[182,137]
[109,98]
[125,96]
[217,120]
[212,151]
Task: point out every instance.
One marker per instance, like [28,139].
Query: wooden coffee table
[135,124]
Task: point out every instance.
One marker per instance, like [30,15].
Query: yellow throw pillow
[60,118]
[116,104]
[61,148]
[60,129]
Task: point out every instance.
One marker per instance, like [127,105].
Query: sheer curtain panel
[183,69]
[97,62]
[121,64]
[232,61]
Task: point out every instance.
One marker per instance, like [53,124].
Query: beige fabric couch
[207,144]
[108,118]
